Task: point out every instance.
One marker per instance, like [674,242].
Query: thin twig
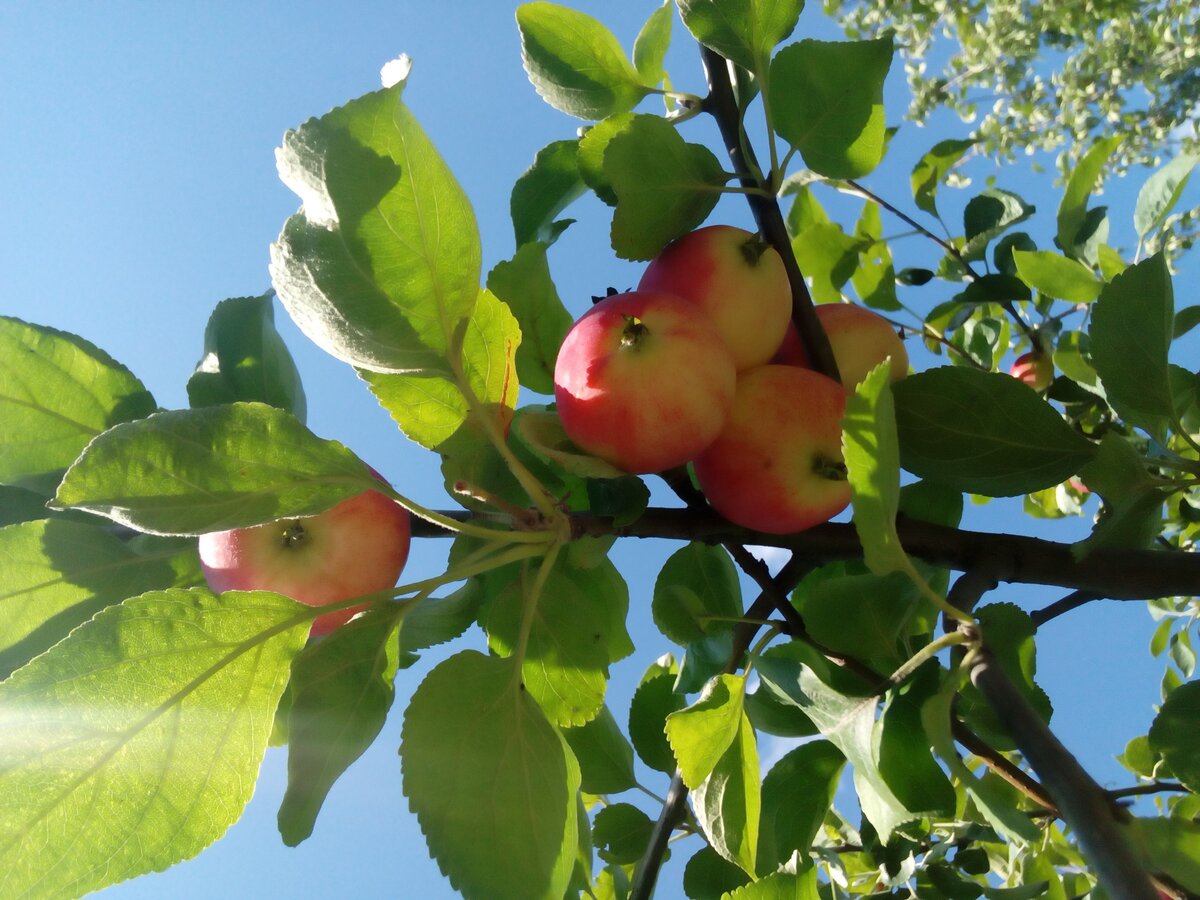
[1073,600]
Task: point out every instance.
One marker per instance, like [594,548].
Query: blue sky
[139,189]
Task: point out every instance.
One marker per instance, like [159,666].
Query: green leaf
[592,146]
[621,832]
[478,757]
[827,101]
[605,755]
[1185,320]
[341,692]
[931,170]
[828,257]
[771,715]
[1173,734]
[431,407]
[543,191]
[665,187]
[572,638]
[650,48]
[55,575]
[872,458]
[382,263]
[246,359]
[701,733]
[875,277]
[1002,253]
[728,802]
[905,751]
[1160,193]
[863,615]
[57,392]
[1170,845]
[796,796]
[1133,498]
[696,593]
[135,742]
[984,433]
[1130,336]
[745,31]
[525,286]
[709,876]
[575,63]
[653,701]
[437,620]
[1072,209]
[21,505]
[1057,276]
[988,215]
[211,469]
[779,886]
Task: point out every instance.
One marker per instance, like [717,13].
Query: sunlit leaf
[1161,192]
[653,701]
[745,31]
[652,42]
[828,257]
[543,191]
[931,170]
[575,62]
[696,593]
[1073,208]
[728,802]
[193,471]
[57,392]
[1170,845]
[988,215]
[382,262]
[478,757]
[875,277]
[1173,734]
[135,742]
[827,101]
[1057,276]
[796,796]
[701,733]
[605,755]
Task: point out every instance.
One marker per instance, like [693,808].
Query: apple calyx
[634,333]
[293,535]
[753,250]
[830,469]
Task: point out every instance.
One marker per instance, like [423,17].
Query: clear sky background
[138,186]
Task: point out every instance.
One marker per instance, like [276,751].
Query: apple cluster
[701,364]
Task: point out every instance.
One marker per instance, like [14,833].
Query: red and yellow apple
[353,548]
[737,279]
[777,465]
[860,339]
[644,381]
[1034,368]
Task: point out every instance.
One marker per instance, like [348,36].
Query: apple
[644,381]
[1035,368]
[353,548]
[777,465]
[735,277]
[860,339]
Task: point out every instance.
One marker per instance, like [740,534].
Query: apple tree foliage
[137,706]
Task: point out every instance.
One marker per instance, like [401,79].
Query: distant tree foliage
[1049,75]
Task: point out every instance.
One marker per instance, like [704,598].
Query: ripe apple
[735,277]
[643,381]
[1035,368]
[777,465]
[354,548]
[860,339]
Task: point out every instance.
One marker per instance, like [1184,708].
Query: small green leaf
[592,146]
[771,715]
[1173,734]
[211,469]
[135,742]
[382,263]
[860,614]
[988,215]
[779,886]
[827,101]
[653,701]
[665,187]
[55,575]
[543,191]
[875,277]
[437,620]
[540,429]
[1160,193]
[341,692]
[931,170]
[728,802]
[1130,334]
[984,433]
[872,457]
[650,48]
[575,63]
[1072,209]
[479,758]
[246,359]
[696,593]
[57,392]
[1057,276]
[701,733]
[431,407]
[621,833]
[1133,498]
[796,796]
[1170,845]
[525,286]
[745,31]
[905,751]
[1002,253]
[605,755]
[709,876]
[1185,320]
[828,257]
